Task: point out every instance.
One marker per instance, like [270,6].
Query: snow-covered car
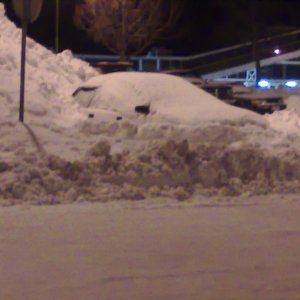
[249,99]
[162,97]
[221,90]
[260,103]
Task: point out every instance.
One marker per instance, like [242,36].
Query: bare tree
[127,27]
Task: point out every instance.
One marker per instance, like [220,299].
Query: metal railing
[208,62]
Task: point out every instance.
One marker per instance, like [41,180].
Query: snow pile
[293,103]
[176,169]
[51,78]
[287,121]
[101,148]
[170,99]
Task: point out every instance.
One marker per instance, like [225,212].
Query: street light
[277,51]
[291,84]
[264,84]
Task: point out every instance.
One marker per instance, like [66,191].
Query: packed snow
[133,251]
[92,145]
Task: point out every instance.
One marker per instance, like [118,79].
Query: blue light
[291,84]
[264,83]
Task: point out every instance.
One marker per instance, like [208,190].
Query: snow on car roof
[169,97]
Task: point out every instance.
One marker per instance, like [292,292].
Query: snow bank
[50,78]
[176,169]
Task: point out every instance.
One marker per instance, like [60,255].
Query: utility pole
[256,57]
[57,26]
[254,11]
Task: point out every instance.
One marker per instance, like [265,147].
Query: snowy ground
[151,250]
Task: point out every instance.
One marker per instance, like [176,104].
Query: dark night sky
[205,24]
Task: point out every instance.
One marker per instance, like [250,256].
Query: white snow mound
[287,121]
[170,99]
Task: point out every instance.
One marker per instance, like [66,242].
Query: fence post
[140,64]
[157,64]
